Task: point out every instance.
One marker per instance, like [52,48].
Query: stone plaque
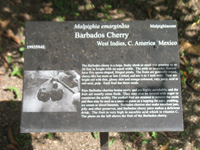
[101,76]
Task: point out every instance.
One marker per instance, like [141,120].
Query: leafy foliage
[9,59]
[189,70]
[183,78]
[62,6]
[24,139]
[21,49]
[173,148]
[95,135]
[124,136]
[23,42]
[16,71]
[183,133]
[60,18]
[155,135]
[15,90]
[197,19]
[105,10]
[111,141]
[146,141]
[11,104]
[139,134]
[47,17]
[49,135]
[127,147]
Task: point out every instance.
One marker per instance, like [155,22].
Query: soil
[14,13]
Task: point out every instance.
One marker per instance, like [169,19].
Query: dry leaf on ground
[163,133]
[165,147]
[191,49]
[194,85]
[171,135]
[3,25]
[11,138]
[11,35]
[2,73]
[196,23]
[149,11]
[10,146]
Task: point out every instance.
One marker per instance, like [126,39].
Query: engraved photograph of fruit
[51,91]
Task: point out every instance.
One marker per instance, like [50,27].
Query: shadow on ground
[10,136]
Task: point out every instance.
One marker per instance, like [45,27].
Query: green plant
[21,34]
[22,23]
[146,141]
[164,143]
[182,53]
[132,138]
[194,127]
[139,134]
[24,139]
[73,7]
[87,7]
[9,59]
[104,10]
[196,80]
[124,136]
[127,147]
[183,78]
[48,17]
[111,141]
[155,135]
[21,49]
[66,7]
[173,148]
[60,18]
[131,1]
[16,71]
[196,148]
[0,49]
[183,133]
[49,135]
[77,14]
[12,104]
[15,91]
[197,19]
[107,17]
[120,11]
[189,70]
[95,135]
[168,1]
[23,42]
[61,5]
[109,6]
[169,11]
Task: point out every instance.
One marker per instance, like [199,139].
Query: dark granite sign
[101,76]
